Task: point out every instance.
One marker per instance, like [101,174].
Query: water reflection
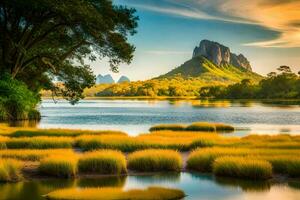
[196,186]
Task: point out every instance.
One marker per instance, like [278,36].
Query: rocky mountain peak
[220,54]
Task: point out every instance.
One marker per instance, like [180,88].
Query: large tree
[42,41]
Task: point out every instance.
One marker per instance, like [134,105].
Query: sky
[267,32]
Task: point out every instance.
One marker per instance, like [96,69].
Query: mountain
[123,79]
[104,79]
[214,61]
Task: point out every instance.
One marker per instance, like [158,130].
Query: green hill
[201,68]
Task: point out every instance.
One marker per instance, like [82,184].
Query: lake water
[196,187]
[136,116]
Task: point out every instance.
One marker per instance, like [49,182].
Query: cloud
[282,16]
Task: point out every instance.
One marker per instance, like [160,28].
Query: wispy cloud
[282,16]
[163,52]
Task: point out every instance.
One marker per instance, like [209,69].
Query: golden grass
[155,160]
[241,167]
[171,127]
[34,154]
[202,159]
[10,170]
[110,193]
[42,142]
[59,166]
[103,162]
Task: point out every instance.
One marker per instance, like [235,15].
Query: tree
[42,41]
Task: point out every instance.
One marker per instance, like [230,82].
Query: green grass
[10,170]
[43,142]
[110,193]
[155,160]
[293,168]
[210,127]
[241,167]
[103,162]
[59,166]
[171,127]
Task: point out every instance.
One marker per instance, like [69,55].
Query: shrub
[60,166]
[110,193]
[10,170]
[39,143]
[201,126]
[17,102]
[155,160]
[171,127]
[103,162]
[240,167]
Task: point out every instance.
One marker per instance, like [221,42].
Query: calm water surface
[136,116]
[197,187]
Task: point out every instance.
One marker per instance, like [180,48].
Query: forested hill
[213,61]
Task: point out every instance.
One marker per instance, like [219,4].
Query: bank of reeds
[10,170]
[102,162]
[110,193]
[42,142]
[155,160]
[170,127]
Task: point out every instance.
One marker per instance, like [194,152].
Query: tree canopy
[42,41]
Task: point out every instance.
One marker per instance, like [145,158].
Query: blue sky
[267,32]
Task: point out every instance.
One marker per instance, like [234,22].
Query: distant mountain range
[109,80]
[214,61]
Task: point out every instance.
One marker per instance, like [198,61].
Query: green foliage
[17,102]
[46,40]
[285,85]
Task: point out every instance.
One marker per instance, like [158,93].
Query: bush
[39,143]
[240,167]
[10,170]
[155,160]
[103,162]
[59,166]
[171,127]
[17,102]
[109,193]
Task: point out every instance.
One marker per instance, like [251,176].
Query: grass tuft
[171,127]
[155,160]
[40,143]
[10,170]
[103,162]
[110,193]
[240,167]
[59,166]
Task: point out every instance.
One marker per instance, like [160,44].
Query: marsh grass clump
[34,154]
[59,166]
[293,168]
[210,127]
[111,193]
[241,167]
[155,160]
[103,162]
[220,127]
[42,142]
[61,133]
[170,127]
[10,170]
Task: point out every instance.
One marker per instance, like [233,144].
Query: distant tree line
[284,85]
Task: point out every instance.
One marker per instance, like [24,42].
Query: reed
[103,162]
[171,127]
[43,142]
[111,193]
[241,167]
[201,126]
[34,154]
[59,166]
[293,168]
[155,160]
[61,133]
[10,170]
